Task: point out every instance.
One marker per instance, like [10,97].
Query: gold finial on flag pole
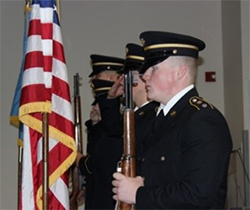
[27,7]
[58,9]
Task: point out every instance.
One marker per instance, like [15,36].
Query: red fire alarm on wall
[210,76]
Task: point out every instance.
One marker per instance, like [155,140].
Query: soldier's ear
[182,71]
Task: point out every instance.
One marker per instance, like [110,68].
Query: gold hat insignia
[126,50]
[142,42]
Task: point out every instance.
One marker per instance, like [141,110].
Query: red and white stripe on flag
[45,88]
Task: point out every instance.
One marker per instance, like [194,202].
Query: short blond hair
[190,62]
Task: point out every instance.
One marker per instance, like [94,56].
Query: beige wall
[105,27]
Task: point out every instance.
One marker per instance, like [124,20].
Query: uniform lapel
[170,119]
[140,113]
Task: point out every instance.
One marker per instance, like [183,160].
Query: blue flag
[14,119]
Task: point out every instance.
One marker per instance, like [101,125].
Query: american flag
[45,88]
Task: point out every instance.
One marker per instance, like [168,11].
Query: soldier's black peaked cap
[159,45]
[101,88]
[134,57]
[101,63]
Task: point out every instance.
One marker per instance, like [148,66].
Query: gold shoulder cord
[212,107]
[192,104]
[197,99]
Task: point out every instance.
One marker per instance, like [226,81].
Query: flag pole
[45,160]
[46,147]
[19,174]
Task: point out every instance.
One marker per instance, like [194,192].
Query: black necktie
[158,120]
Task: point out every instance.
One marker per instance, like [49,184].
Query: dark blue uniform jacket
[185,160]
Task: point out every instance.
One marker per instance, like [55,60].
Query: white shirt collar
[136,108]
[174,100]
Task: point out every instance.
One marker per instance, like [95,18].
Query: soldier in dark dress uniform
[185,158]
[97,164]
[144,111]
[112,118]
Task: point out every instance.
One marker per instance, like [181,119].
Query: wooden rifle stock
[128,159]
[78,138]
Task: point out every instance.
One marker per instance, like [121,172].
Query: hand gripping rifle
[77,179]
[128,158]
